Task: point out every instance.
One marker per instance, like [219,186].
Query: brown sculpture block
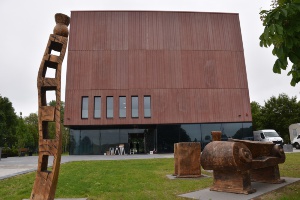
[216,135]
[187,159]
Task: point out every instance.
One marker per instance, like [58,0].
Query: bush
[10,152]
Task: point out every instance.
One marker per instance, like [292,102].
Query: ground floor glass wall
[157,138]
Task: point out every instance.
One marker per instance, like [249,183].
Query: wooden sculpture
[46,180]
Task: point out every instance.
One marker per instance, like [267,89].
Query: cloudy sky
[26,25]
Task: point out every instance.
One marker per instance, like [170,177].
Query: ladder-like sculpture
[46,180]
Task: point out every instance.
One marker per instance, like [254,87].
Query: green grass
[291,168]
[122,179]
[132,179]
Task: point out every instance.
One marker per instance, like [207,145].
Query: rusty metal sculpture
[46,180]
[231,164]
[187,159]
[266,157]
[216,135]
[238,162]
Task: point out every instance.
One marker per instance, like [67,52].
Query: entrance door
[137,142]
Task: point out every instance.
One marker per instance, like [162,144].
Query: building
[154,78]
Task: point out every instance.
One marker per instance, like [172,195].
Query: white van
[267,135]
[294,130]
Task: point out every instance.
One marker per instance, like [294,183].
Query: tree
[8,122]
[32,130]
[64,130]
[256,116]
[278,113]
[282,30]
[22,134]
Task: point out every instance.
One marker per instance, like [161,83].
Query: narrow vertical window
[122,106]
[147,106]
[109,107]
[85,107]
[134,106]
[97,107]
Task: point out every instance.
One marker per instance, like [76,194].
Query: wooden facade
[191,64]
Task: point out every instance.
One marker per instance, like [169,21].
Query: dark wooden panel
[123,30]
[192,65]
[168,106]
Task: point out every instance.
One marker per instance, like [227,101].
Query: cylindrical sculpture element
[220,155]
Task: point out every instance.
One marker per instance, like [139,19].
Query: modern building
[154,78]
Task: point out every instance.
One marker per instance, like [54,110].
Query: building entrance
[137,143]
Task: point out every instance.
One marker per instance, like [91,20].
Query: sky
[26,26]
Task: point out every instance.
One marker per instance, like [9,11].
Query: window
[147,106]
[97,107]
[109,107]
[134,106]
[122,106]
[85,107]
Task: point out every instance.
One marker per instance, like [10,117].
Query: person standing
[137,147]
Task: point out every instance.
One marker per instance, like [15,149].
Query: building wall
[191,64]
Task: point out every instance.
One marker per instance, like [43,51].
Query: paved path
[13,166]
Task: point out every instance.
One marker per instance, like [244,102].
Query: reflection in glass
[85,107]
[193,131]
[109,107]
[167,135]
[247,131]
[231,130]
[85,144]
[134,106]
[74,142]
[160,138]
[147,106]
[206,130]
[97,109]
[122,106]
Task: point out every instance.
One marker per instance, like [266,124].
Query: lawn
[130,179]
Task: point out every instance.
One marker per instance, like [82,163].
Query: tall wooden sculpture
[46,180]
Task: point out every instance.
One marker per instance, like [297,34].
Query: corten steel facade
[189,65]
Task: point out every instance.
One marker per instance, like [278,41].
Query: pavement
[13,166]
[261,188]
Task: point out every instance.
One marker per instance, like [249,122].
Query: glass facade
[146,138]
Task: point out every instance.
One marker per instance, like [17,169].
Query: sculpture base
[232,181]
[266,175]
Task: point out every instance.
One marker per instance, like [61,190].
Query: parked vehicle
[294,130]
[268,135]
